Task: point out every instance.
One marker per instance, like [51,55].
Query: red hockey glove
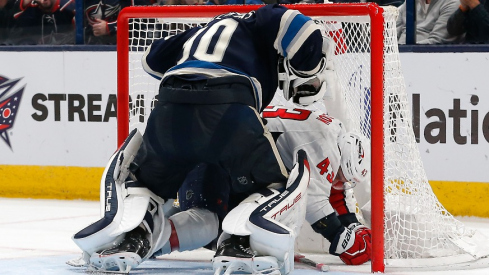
[354,248]
[360,251]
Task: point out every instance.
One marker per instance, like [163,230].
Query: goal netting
[404,212]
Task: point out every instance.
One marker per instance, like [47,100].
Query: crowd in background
[33,22]
[447,22]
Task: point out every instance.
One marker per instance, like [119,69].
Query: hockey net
[409,224]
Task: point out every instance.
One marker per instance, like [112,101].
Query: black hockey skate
[235,246]
[125,256]
[235,255]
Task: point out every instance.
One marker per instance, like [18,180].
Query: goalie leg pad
[130,211]
[274,219]
[276,223]
[236,220]
[125,155]
[124,204]
[122,213]
[135,246]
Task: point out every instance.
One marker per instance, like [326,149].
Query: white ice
[35,238]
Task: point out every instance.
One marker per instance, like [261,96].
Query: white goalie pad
[274,220]
[157,232]
[124,203]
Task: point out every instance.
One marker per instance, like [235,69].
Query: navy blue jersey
[243,44]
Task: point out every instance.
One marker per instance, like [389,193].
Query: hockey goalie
[335,161]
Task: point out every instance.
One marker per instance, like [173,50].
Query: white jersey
[317,134]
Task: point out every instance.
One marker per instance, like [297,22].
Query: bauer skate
[123,257]
[234,255]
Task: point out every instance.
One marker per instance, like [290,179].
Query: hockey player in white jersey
[339,160]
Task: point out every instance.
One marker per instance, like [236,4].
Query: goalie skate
[123,257]
[234,255]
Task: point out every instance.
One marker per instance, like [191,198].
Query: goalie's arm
[293,35]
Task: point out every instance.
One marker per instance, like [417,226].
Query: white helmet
[355,157]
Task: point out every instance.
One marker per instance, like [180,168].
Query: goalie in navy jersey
[214,83]
[215,80]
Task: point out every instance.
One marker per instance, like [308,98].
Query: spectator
[7,11]
[100,18]
[395,3]
[471,18]
[43,22]
[431,22]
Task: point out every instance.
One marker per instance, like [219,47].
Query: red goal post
[373,89]
[377,53]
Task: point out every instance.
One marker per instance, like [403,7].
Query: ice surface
[35,238]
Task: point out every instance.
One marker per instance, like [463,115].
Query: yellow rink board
[50,182]
[71,183]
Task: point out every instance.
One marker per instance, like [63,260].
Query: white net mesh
[417,225]
[143,88]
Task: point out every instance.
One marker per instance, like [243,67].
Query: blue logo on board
[10,97]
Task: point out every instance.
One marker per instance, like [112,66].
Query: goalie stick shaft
[318,266]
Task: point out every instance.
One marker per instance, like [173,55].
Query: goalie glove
[353,247]
[324,84]
[308,89]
